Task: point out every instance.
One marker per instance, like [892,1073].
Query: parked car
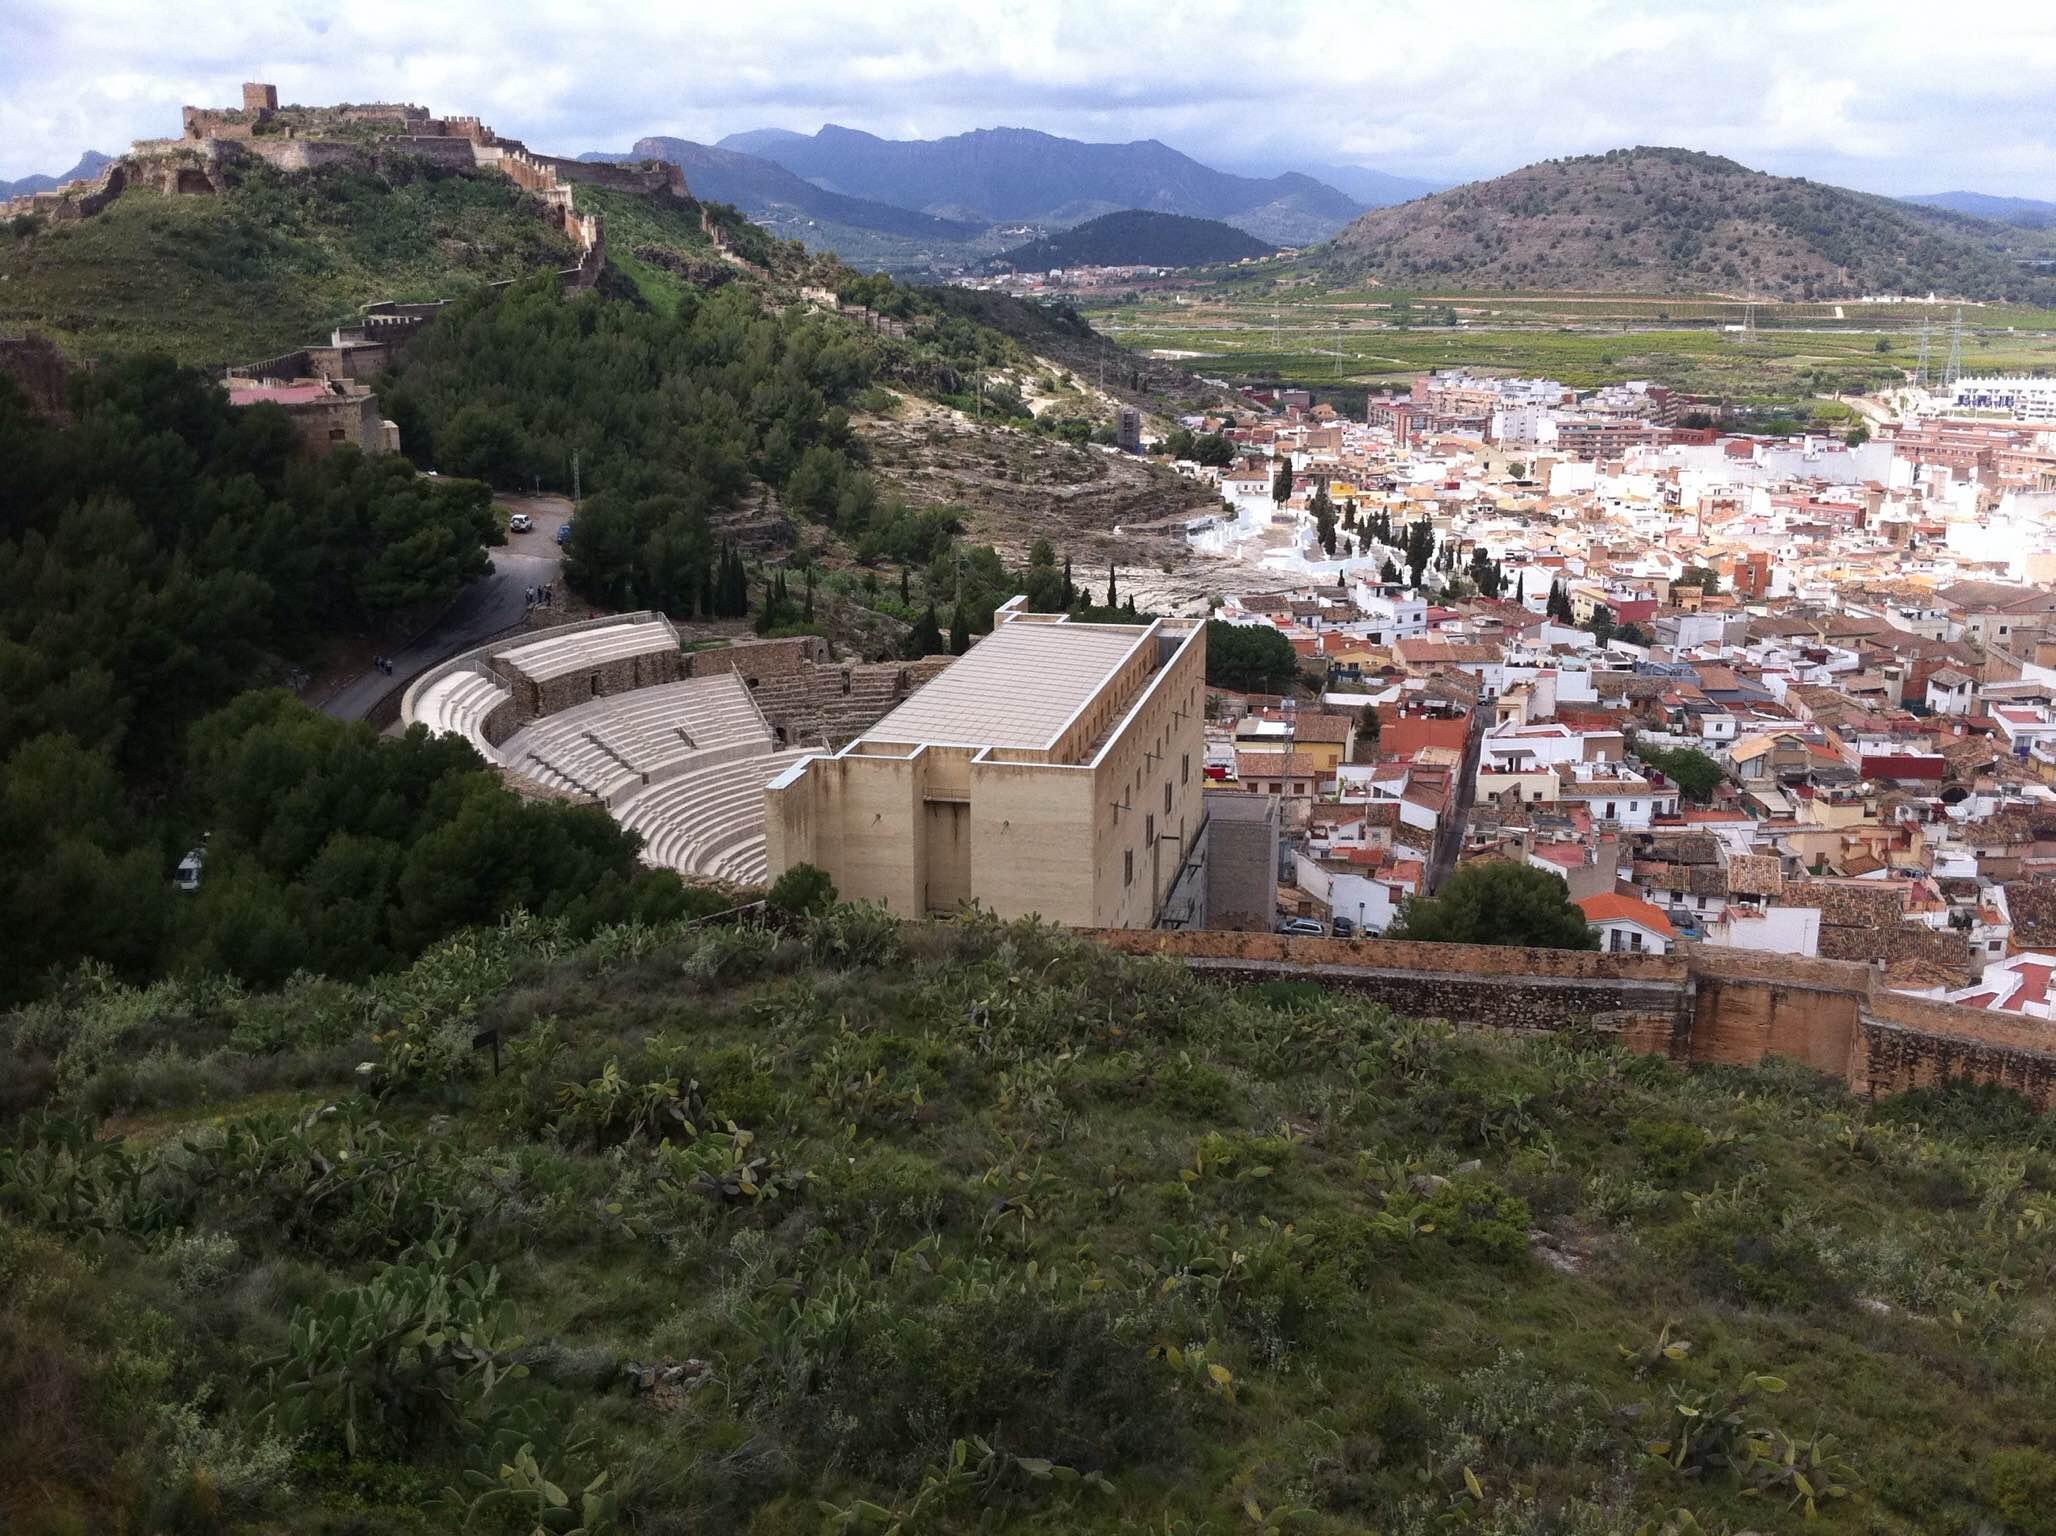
[1304,927]
[520,522]
[563,532]
[1344,928]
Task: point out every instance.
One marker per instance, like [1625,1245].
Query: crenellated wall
[1700,1004]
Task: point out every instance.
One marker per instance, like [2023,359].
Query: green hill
[1134,237]
[272,262]
[1676,221]
[947,1227]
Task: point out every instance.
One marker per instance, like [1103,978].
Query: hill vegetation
[1135,237]
[1676,221]
[165,553]
[867,1225]
[270,263]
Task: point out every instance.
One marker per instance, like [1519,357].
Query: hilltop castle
[295,138]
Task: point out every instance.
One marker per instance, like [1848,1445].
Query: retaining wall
[1698,1004]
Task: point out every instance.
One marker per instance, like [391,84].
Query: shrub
[800,892]
[404,1354]
[1669,1149]
[2021,1484]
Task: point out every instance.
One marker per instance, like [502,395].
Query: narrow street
[1449,837]
[485,608]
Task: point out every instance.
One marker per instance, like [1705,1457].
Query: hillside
[2027,212]
[1134,237]
[972,1227]
[1676,221]
[996,175]
[273,261]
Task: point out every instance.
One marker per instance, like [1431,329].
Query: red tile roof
[1609,907]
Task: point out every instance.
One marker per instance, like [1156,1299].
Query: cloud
[1870,92]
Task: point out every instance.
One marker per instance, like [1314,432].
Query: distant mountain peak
[90,165]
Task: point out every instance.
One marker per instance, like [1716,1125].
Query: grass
[270,264]
[653,225]
[1157,1255]
[1796,351]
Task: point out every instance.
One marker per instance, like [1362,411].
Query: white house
[1949,692]
[1768,930]
[1628,926]
[1612,793]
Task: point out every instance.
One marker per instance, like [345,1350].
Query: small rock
[1473,1166]
[1427,1183]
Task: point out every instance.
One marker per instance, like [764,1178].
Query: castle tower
[259,100]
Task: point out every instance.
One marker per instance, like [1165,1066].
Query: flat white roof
[1018,687]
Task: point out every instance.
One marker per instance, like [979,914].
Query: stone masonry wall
[1699,1004]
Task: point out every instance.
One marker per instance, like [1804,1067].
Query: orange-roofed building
[1628,926]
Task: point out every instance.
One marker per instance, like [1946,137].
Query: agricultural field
[852,1225]
[1788,353]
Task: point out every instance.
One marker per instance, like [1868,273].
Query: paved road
[485,608]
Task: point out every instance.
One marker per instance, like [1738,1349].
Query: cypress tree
[906,595]
[1070,591]
[926,638]
[1113,594]
[959,630]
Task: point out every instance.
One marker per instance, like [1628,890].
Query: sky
[1883,95]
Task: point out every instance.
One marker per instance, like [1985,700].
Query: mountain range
[758,185]
[90,165]
[1678,221]
[2027,212]
[1017,175]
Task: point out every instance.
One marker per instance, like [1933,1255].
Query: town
[763,825]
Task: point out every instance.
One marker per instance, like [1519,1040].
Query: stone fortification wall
[72,201]
[1910,1042]
[1643,999]
[1700,1004]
